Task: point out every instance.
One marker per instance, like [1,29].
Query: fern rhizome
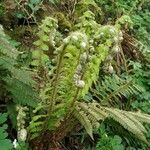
[75,67]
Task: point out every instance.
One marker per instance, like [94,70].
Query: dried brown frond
[130,46]
[129,49]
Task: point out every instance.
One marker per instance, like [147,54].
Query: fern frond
[84,120]
[7,46]
[18,80]
[136,122]
[46,36]
[21,93]
[141,117]
[37,117]
[35,126]
[128,120]
[90,111]
[114,88]
[88,116]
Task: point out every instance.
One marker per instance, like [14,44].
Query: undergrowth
[88,74]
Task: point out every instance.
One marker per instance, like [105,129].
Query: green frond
[113,87]
[98,110]
[90,111]
[46,36]
[7,46]
[35,132]
[64,88]
[136,122]
[88,116]
[18,80]
[36,125]
[141,116]
[39,107]
[84,120]
[93,67]
[8,53]
[21,93]
[37,117]
[77,63]
[128,120]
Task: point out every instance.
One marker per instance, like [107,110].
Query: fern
[46,35]
[77,67]
[18,80]
[85,121]
[37,121]
[129,120]
[113,88]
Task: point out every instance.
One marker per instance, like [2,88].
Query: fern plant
[75,79]
[113,88]
[17,80]
[77,67]
[65,81]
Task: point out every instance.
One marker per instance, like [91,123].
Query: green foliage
[17,80]
[2,9]
[27,9]
[113,88]
[143,80]
[46,36]
[137,10]
[107,143]
[77,65]
[86,5]
[68,66]
[35,126]
[4,142]
[107,140]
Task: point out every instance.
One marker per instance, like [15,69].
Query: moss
[63,22]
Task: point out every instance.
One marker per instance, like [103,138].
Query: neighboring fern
[18,81]
[113,88]
[5,144]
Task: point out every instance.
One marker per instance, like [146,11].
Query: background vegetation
[74,74]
